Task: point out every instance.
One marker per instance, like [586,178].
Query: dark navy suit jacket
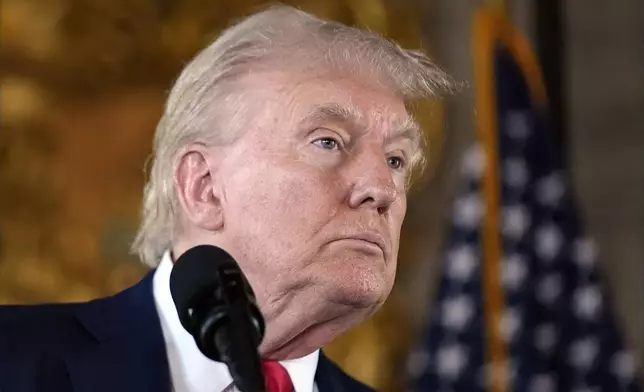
[113,344]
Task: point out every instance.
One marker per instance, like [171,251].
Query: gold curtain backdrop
[83,85]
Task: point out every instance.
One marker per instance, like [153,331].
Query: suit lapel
[327,376]
[128,350]
[330,378]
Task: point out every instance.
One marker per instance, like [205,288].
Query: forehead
[299,97]
[362,103]
[395,122]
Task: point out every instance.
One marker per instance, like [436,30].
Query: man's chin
[365,290]
[314,337]
[336,309]
[325,308]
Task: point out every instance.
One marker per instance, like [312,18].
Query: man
[286,142]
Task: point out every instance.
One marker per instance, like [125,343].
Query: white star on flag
[583,353]
[545,338]
[542,383]
[587,302]
[451,360]
[548,242]
[462,261]
[457,312]
[549,289]
[515,172]
[468,211]
[550,190]
[518,126]
[516,220]
[623,366]
[515,270]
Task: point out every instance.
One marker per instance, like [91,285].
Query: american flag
[555,325]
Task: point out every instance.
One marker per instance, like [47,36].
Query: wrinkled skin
[309,201]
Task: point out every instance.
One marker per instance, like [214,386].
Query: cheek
[281,208]
[397,216]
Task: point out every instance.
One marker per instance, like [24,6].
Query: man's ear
[196,188]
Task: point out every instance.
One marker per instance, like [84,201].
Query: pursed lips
[370,237]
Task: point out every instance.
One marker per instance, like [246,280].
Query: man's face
[313,198]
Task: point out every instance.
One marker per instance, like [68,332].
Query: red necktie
[277,378]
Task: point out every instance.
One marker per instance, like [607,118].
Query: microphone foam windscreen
[196,272]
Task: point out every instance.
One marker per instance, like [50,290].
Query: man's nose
[374,186]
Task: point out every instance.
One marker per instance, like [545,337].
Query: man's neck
[191,371]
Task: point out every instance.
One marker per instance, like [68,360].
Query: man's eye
[327,143]
[395,163]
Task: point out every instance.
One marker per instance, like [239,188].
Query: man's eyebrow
[406,128]
[335,112]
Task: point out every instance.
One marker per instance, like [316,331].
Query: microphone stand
[235,346]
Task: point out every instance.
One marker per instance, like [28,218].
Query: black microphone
[216,305]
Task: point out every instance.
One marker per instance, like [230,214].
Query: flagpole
[493,296]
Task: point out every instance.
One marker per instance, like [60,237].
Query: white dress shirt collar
[190,370]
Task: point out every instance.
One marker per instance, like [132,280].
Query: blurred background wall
[83,84]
